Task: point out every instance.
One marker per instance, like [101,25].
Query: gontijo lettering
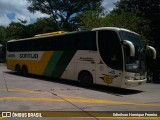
[28,55]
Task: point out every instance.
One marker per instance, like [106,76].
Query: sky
[12,10]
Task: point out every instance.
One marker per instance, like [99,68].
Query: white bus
[106,56]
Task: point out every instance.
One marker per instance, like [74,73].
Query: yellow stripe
[70,98]
[93,101]
[25,91]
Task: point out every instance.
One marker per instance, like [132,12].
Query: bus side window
[86,41]
[10,47]
[55,44]
[30,45]
[48,44]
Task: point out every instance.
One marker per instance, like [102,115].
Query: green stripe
[58,63]
[62,63]
[52,63]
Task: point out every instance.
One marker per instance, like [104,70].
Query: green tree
[64,12]
[16,30]
[2,35]
[147,8]
[92,19]
[42,25]
[127,20]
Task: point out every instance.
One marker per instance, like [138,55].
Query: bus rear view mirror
[131,46]
[153,50]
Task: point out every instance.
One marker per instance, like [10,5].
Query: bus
[108,56]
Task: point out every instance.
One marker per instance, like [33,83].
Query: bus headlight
[132,67]
[129,78]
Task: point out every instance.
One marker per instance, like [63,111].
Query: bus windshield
[136,63]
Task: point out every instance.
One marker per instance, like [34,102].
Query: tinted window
[74,41]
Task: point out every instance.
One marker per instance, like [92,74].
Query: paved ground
[35,93]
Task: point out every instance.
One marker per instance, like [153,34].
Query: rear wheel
[85,78]
[18,69]
[24,70]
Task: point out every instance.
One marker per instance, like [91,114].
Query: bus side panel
[34,66]
[69,72]
[58,63]
[11,64]
[83,60]
[90,61]
[108,76]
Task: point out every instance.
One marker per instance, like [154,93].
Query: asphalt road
[41,94]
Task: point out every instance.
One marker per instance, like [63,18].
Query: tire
[85,78]
[18,69]
[24,70]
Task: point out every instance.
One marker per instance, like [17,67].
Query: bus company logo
[108,79]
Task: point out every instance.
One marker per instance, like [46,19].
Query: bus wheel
[18,69]
[24,70]
[85,78]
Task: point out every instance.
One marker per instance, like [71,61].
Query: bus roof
[59,33]
[51,34]
[114,29]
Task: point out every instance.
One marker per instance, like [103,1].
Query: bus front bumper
[133,83]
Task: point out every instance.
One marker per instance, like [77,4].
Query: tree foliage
[63,12]
[42,25]
[2,34]
[127,20]
[16,30]
[147,8]
[91,19]
[19,30]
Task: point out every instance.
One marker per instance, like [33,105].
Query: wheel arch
[85,71]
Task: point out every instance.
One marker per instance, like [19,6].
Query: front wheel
[85,78]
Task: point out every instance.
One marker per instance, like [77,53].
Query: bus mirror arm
[153,50]
[131,46]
